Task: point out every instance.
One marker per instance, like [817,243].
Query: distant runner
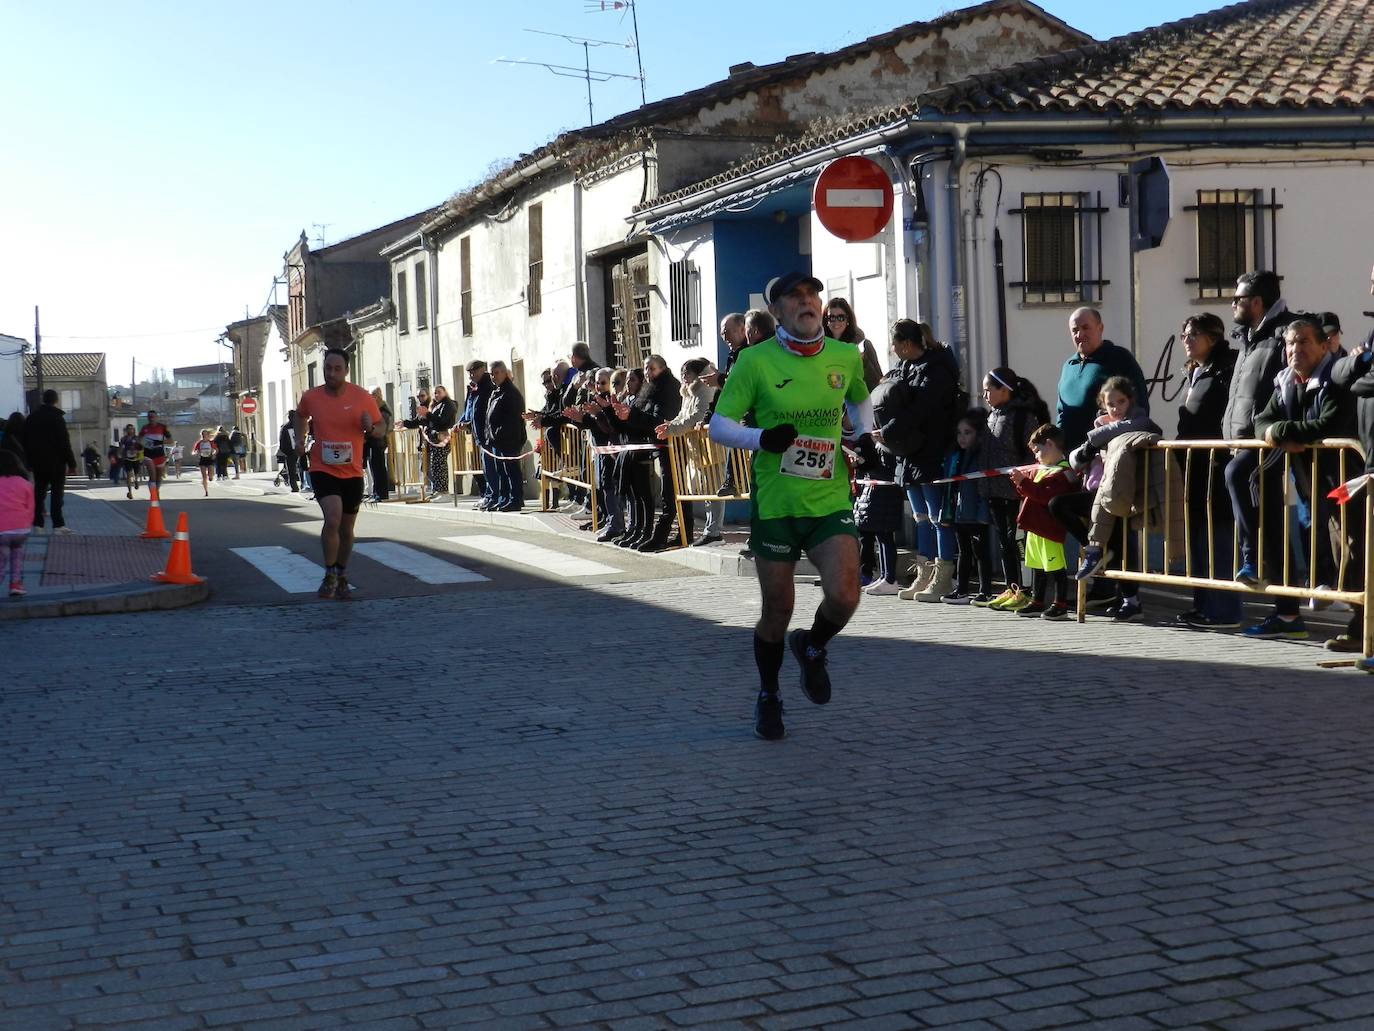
[156,439]
[130,459]
[798,387]
[341,415]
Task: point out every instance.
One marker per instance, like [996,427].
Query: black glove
[777,438]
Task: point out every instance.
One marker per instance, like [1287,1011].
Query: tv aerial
[587,73]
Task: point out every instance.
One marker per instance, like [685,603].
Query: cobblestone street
[566,821]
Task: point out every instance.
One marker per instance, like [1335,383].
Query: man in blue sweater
[1094,362]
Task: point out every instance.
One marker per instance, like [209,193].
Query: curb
[100,602]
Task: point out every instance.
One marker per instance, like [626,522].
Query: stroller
[283,477]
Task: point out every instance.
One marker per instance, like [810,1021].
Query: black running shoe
[768,716]
[815,681]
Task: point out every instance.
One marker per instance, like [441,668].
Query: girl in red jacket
[1044,533]
[16,516]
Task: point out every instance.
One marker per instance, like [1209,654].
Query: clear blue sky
[161,156]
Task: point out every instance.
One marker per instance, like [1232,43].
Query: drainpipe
[579,272]
[432,299]
[898,260]
[960,231]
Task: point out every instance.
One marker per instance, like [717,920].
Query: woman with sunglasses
[841,325]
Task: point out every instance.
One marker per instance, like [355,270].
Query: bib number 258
[812,458]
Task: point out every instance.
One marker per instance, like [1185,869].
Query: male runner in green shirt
[798,386]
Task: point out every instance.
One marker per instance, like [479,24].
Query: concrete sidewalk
[102,566]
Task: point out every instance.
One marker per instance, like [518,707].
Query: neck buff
[805,348]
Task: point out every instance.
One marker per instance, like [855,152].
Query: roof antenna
[599,6]
[586,72]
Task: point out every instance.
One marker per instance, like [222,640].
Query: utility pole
[37,354]
[133,385]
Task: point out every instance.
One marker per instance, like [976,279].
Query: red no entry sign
[248,405]
[853,198]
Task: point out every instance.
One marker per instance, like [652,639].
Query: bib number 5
[336,453]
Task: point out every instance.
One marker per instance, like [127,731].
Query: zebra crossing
[295,573]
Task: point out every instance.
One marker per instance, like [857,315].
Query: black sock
[822,630]
[768,657]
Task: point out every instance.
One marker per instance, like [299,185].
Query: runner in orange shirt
[340,416]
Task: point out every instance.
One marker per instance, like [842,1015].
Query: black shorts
[207,463]
[350,489]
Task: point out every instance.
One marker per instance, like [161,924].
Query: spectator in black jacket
[661,400]
[919,433]
[49,449]
[633,469]
[1305,407]
[506,438]
[475,418]
[591,416]
[1207,385]
[12,437]
[286,447]
[443,416]
[375,449]
[1261,314]
[1355,374]
[734,330]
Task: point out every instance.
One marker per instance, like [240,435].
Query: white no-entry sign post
[853,198]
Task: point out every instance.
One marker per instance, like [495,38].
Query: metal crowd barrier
[405,463]
[698,467]
[1353,562]
[465,458]
[566,456]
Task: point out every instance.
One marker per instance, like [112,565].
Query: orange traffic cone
[154,528]
[178,569]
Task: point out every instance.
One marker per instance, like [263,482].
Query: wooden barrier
[697,465]
[405,464]
[566,456]
[1179,457]
[465,457]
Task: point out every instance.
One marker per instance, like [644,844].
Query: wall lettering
[1164,374]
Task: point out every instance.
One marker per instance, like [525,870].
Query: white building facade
[549,252]
[1028,192]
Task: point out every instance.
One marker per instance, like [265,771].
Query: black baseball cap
[780,286]
[1331,322]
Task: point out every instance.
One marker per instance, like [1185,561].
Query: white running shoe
[882,587]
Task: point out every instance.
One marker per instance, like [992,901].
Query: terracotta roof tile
[1291,54]
[1262,54]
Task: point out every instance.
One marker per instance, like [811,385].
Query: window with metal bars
[1061,245]
[465,283]
[402,304]
[421,297]
[535,294]
[1232,238]
[684,298]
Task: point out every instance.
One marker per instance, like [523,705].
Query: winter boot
[940,583]
[922,570]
